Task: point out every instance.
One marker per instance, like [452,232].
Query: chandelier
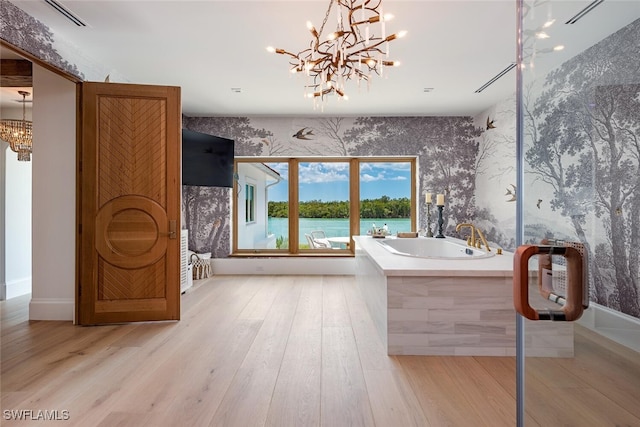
[356,50]
[18,133]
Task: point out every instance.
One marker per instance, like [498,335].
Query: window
[250,203]
[312,206]
[385,196]
[323,205]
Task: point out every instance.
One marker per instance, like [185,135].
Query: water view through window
[323,190]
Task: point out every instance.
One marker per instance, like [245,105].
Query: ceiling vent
[584,11]
[493,80]
[65,12]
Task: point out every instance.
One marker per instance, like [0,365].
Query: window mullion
[354,200]
[294,214]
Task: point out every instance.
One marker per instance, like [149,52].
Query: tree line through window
[314,205]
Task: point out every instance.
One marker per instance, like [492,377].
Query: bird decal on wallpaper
[265,141]
[538,203]
[511,193]
[301,134]
[490,124]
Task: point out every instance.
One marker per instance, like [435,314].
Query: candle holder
[429,232]
[440,223]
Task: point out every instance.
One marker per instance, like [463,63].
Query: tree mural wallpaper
[496,174]
[446,148]
[583,147]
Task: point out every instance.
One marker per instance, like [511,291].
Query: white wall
[17,222]
[252,235]
[54,197]
[15,217]
[3,156]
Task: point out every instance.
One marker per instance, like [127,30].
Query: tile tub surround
[449,307]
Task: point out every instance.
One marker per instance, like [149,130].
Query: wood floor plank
[503,371]
[194,336]
[248,397]
[173,356]
[123,419]
[334,304]
[261,303]
[270,343]
[204,384]
[344,392]
[391,403]
[291,351]
[246,402]
[296,397]
[448,391]
[482,392]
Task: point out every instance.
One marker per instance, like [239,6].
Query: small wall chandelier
[354,51]
[18,133]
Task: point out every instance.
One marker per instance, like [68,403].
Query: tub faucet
[483,239]
[471,241]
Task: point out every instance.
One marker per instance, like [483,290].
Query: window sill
[323,254]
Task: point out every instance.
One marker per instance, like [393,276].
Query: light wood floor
[290,351]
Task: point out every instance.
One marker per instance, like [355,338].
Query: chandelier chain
[326,18]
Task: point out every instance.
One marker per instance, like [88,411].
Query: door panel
[130,203]
[578,187]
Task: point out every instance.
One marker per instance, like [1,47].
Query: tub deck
[449,307]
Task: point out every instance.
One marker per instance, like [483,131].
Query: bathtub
[447,307]
[433,248]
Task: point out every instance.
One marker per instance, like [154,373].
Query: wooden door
[130,203]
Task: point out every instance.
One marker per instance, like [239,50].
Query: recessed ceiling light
[428,89]
[236,89]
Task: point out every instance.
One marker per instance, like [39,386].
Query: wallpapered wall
[446,147]
[583,161]
[496,173]
[582,164]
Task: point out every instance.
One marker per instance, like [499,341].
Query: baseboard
[285,266]
[51,309]
[16,288]
[614,325]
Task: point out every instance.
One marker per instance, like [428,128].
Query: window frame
[293,193]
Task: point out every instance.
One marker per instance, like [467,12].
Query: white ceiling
[210,47]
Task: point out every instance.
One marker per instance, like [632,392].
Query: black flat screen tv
[207,160]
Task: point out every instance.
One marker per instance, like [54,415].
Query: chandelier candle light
[353,51]
[18,133]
